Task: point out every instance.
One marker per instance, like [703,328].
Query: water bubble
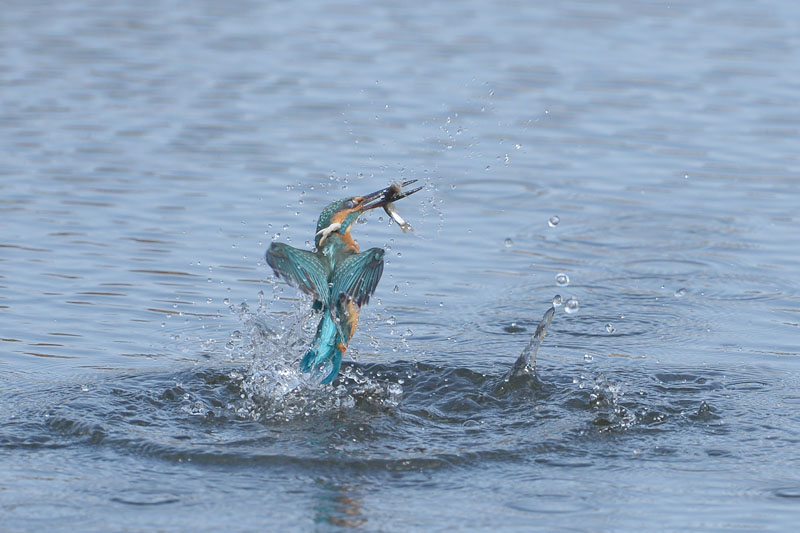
[680,292]
[557,301]
[562,280]
[610,328]
[571,305]
[509,243]
[553,221]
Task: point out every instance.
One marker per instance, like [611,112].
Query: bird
[337,274]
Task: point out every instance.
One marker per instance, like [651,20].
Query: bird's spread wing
[357,276]
[301,268]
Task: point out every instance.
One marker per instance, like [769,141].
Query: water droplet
[226,301]
[209,300]
[610,328]
[680,292]
[553,221]
[557,301]
[517,146]
[84,388]
[562,280]
[587,357]
[391,321]
[396,289]
[572,305]
[509,243]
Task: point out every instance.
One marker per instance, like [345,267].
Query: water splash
[526,363]
[272,386]
[606,399]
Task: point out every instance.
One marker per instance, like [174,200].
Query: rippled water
[639,160]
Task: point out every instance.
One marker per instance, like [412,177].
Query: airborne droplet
[572,305]
[557,301]
[553,221]
[562,280]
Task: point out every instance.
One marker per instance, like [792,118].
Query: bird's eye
[349,204]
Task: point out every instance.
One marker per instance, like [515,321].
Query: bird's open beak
[390,194]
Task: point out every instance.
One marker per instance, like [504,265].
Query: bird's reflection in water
[340,505]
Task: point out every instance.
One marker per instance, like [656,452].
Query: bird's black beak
[390,194]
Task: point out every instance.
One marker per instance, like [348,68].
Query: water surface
[149,153]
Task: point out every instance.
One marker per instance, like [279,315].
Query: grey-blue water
[150,151]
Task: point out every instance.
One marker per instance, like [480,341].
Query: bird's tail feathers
[324,357]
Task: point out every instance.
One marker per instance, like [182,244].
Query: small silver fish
[391,210]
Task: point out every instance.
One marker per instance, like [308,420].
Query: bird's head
[339,216]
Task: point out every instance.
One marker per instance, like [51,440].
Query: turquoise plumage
[339,277]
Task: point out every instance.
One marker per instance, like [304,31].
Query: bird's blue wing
[301,268]
[357,276]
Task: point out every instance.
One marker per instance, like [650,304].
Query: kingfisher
[339,276]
